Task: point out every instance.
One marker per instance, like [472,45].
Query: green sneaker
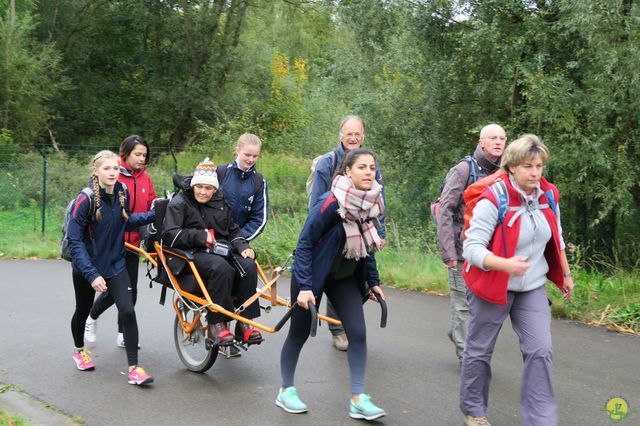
[365,409]
[289,401]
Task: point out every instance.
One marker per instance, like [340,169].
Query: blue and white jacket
[104,255]
[322,239]
[249,204]
[324,173]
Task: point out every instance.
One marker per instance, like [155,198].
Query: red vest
[492,285]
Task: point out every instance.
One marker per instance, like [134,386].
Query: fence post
[175,160]
[44,190]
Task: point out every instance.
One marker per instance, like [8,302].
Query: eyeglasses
[495,138]
[356,135]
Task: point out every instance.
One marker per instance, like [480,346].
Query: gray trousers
[531,320]
[459,309]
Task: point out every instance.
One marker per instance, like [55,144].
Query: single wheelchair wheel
[194,351]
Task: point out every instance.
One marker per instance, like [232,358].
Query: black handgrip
[314,319]
[383,307]
[286,317]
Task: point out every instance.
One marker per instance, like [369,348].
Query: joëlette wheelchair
[191,300]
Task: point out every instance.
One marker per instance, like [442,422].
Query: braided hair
[97,161]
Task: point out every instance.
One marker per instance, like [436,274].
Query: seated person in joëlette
[197,218]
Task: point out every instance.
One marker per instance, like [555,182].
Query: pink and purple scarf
[359,211]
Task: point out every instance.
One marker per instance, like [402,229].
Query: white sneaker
[120,341]
[90,329]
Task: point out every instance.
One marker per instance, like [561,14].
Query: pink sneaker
[138,376]
[83,360]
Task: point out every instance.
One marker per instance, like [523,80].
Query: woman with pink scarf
[334,256]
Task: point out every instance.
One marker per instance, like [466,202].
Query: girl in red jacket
[134,157]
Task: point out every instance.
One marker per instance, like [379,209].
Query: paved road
[412,370]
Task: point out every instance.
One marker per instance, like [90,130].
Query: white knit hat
[205,174]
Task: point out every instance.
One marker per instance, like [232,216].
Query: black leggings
[347,300]
[122,295]
[104,300]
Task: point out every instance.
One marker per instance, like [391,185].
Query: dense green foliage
[426,76]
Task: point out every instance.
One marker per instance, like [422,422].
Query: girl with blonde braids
[134,158]
[98,258]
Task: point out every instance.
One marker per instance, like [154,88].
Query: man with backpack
[352,135]
[449,221]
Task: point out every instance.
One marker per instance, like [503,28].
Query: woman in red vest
[508,261]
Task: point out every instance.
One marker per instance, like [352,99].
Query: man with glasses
[450,221]
[352,135]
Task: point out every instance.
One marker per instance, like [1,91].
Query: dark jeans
[104,300]
[121,293]
[347,300]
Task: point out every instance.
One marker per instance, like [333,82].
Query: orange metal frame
[268,291]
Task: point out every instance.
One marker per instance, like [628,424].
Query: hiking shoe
[476,421]
[364,408]
[83,359]
[340,342]
[138,376]
[90,329]
[120,341]
[289,401]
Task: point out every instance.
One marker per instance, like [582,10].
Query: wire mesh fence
[36,186]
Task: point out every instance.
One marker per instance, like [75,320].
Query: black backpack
[154,233]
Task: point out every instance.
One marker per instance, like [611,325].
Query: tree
[153,67]
[31,76]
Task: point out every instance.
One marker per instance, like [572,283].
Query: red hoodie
[141,194]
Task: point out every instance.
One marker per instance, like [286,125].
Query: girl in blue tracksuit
[96,239]
[334,256]
[245,189]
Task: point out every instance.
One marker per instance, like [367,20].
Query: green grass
[22,237]
[8,419]
[609,300]
[412,269]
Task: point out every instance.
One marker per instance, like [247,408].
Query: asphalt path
[412,371]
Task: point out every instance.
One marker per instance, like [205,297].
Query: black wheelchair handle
[286,317]
[314,318]
[383,307]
